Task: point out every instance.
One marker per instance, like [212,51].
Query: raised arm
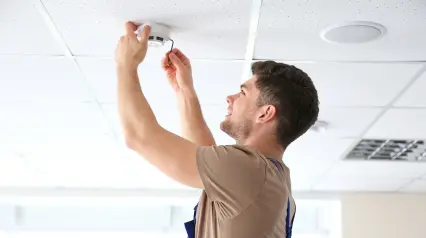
[179,74]
[172,154]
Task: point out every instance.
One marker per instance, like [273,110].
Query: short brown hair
[293,94]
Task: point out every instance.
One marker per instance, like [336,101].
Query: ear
[265,113]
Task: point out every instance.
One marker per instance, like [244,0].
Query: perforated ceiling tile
[203,29]
[166,115]
[414,96]
[24,31]
[102,76]
[42,79]
[400,123]
[344,122]
[318,154]
[359,184]
[291,30]
[374,169]
[358,84]
[416,186]
[52,120]
[213,80]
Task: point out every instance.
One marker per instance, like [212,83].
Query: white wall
[383,216]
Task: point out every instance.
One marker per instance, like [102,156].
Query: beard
[239,131]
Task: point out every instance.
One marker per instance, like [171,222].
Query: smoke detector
[353,32]
[160,34]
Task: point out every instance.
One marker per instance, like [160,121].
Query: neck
[266,145]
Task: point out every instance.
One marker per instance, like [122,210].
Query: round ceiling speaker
[353,32]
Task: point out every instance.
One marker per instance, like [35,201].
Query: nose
[230,99]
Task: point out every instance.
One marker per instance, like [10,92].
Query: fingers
[176,61]
[165,64]
[179,54]
[130,29]
[145,34]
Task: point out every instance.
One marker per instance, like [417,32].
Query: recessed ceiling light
[353,32]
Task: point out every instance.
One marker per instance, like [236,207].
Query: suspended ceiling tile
[213,80]
[14,171]
[24,30]
[41,79]
[302,183]
[310,157]
[417,186]
[50,145]
[377,170]
[166,115]
[102,77]
[214,116]
[399,123]
[414,96]
[345,122]
[358,84]
[203,29]
[359,184]
[291,30]
[56,120]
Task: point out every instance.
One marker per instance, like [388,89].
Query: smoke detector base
[159,35]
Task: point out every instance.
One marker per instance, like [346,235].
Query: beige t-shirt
[245,195]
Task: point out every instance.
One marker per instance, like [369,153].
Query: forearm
[163,149]
[136,116]
[194,127]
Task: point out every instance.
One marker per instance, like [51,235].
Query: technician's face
[241,110]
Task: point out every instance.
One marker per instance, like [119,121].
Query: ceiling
[59,125]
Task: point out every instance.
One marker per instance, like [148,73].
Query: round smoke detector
[159,35]
[353,32]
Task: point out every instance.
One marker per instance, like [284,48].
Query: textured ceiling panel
[415,96]
[319,154]
[346,169]
[203,29]
[416,186]
[291,30]
[23,29]
[345,122]
[62,120]
[213,80]
[359,184]
[400,123]
[359,84]
[42,79]
[14,171]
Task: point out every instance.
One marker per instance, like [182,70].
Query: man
[246,187]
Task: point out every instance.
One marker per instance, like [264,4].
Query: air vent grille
[400,150]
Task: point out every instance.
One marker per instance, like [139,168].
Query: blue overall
[190,225]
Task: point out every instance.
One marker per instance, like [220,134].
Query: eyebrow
[243,86]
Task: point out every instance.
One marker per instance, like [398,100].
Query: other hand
[130,51]
[178,70]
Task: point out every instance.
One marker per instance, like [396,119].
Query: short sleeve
[232,175]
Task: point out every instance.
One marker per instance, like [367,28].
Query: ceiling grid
[370,90]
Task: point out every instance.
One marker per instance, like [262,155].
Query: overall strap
[288,224]
[190,225]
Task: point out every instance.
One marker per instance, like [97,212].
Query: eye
[242,92]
